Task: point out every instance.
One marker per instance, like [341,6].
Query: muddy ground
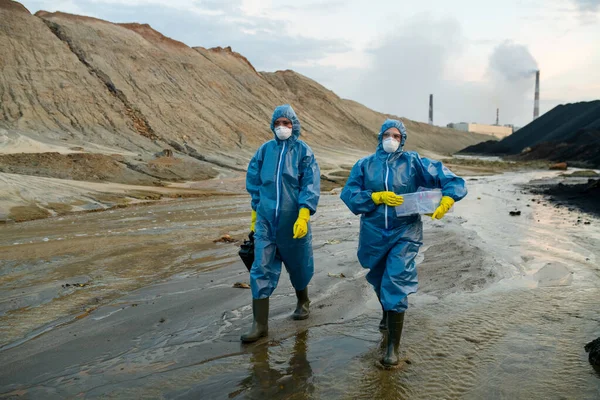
[139,303]
[107,168]
[572,191]
[41,185]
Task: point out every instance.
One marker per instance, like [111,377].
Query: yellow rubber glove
[389,198]
[443,208]
[253,220]
[301,225]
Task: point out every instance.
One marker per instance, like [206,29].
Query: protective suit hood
[391,123]
[286,111]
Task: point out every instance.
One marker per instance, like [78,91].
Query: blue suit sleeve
[436,175]
[253,180]
[355,196]
[310,184]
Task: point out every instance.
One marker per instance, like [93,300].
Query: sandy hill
[128,94]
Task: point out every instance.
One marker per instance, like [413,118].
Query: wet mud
[579,193]
[504,309]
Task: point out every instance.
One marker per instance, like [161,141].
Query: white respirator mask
[283,133]
[390,145]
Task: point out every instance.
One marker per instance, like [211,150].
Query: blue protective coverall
[388,244]
[283,176]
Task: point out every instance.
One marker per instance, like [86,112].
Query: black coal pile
[569,132]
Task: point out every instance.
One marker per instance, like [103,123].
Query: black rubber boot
[302,310]
[395,321]
[383,323]
[260,325]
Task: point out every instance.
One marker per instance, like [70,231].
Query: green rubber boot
[395,321]
[260,325]
[302,310]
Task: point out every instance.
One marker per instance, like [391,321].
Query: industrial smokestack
[431,109]
[536,99]
[497,116]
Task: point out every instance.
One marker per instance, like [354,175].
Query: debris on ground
[340,275]
[562,166]
[66,285]
[332,241]
[241,285]
[514,213]
[593,348]
[225,239]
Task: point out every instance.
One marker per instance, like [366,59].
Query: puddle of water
[482,158]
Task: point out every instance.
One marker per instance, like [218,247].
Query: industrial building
[495,130]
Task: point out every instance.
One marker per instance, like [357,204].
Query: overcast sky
[474,56]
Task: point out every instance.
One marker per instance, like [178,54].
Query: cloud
[264,41]
[319,6]
[588,6]
[511,73]
[68,6]
[512,62]
[409,64]
[423,57]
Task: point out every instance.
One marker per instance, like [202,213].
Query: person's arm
[310,184]
[436,175]
[310,191]
[358,200]
[253,184]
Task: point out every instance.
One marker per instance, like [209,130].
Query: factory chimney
[497,116]
[431,109]
[536,99]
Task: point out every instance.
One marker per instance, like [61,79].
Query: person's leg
[299,263]
[398,281]
[264,277]
[373,247]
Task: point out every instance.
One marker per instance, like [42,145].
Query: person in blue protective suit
[284,182]
[388,244]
